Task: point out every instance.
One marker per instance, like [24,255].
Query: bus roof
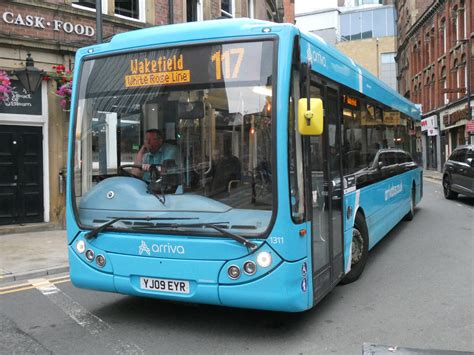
[343,69]
[337,66]
[204,30]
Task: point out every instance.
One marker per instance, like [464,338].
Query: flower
[63,78]
[65,92]
[5,85]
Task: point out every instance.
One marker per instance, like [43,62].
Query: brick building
[33,124]
[434,69]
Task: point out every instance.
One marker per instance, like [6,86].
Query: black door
[325,192]
[21,174]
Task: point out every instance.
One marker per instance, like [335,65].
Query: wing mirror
[470,161]
[310,117]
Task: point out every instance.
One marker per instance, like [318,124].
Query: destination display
[197,65]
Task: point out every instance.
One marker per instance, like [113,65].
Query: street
[416,291]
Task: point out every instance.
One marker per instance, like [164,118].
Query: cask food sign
[41,23]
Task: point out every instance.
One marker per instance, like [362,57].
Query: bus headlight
[100,260]
[250,268]
[90,254]
[80,246]
[264,259]
[234,272]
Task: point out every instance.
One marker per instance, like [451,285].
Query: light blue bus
[232,162]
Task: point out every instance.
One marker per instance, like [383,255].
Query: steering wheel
[155,172]
[123,172]
[201,167]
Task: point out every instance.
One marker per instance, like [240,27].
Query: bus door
[323,169]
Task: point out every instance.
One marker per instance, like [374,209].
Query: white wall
[318,21]
[302,6]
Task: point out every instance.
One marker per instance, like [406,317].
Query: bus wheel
[409,216]
[360,250]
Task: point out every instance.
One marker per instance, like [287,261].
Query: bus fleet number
[277,240]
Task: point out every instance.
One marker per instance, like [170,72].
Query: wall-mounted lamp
[30,77]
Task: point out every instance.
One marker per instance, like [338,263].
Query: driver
[153,151]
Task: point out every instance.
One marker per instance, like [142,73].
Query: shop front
[453,126]
[431,143]
[34,122]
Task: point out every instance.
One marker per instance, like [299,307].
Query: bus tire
[359,250]
[409,216]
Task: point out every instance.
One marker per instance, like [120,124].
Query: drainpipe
[377,51]
[170,12]
[98,21]
[468,91]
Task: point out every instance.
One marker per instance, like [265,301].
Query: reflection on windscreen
[177,131]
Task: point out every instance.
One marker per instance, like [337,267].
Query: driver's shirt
[166,152]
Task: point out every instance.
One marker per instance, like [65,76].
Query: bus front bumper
[283,288]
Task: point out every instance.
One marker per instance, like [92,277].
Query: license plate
[164,285]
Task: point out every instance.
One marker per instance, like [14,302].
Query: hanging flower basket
[5,86]
[64,92]
[63,79]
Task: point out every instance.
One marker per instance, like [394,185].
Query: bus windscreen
[183,131]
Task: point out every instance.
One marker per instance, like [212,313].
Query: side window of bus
[355,155]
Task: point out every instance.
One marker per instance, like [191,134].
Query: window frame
[104,5]
[230,14]
[141,13]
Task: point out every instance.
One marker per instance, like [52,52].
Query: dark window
[408,158]
[85,3]
[226,8]
[400,157]
[191,10]
[390,158]
[458,155]
[127,8]
[470,154]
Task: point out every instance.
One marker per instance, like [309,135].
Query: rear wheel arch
[359,248]
[360,211]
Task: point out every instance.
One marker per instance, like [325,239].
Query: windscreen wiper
[100,228]
[215,225]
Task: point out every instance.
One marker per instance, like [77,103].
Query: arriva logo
[393,191]
[160,248]
[315,57]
